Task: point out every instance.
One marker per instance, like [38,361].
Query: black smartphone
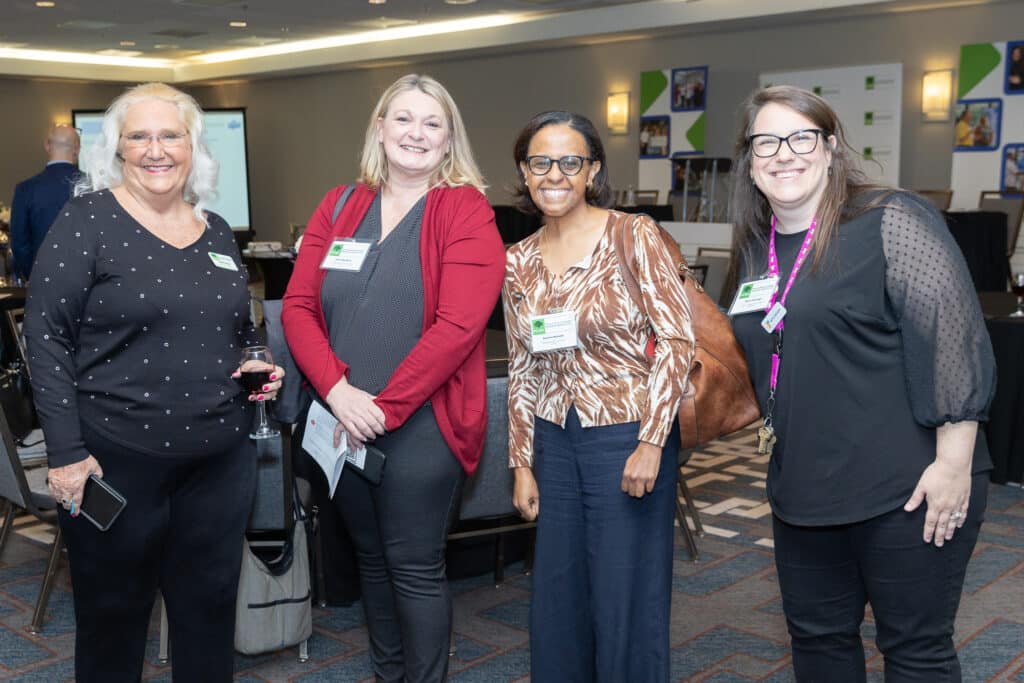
[101,503]
[372,466]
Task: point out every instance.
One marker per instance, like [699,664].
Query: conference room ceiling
[180,28]
[194,40]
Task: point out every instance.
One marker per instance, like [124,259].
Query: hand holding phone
[101,503]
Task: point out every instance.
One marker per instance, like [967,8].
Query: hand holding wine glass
[262,378]
[1017,285]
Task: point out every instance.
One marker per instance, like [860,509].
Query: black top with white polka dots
[881,346]
[135,337]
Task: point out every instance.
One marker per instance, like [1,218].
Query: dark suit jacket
[35,206]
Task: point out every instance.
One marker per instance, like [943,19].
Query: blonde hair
[104,167]
[458,167]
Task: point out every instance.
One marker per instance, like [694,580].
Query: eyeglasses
[166,139]
[765,145]
[568,165]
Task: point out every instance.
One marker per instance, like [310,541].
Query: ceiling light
[45,3]
[459,2]
[376,2]
[363,38]
[238,24]
[127,43]
[83,58]
[112,52]
[165,46]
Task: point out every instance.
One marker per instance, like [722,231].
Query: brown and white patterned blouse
[608,377]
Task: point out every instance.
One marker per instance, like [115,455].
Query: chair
[940,198]
[15,319]
[683,491]
[487,496]
[27,490]
[717,262]
[700,272]
[1012,206]
[647,196]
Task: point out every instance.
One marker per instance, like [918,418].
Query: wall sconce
[618,113]
[936,95]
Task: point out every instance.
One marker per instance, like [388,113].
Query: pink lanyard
[773,270]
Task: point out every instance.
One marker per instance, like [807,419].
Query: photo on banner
[1013,169]
[689,88]
[1014,81]
[978,124]
[655,135]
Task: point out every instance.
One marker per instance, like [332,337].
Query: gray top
[375,316]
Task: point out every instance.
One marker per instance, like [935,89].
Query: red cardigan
[463,263]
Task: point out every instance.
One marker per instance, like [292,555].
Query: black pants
[828,574]
[181,532]
[400,530]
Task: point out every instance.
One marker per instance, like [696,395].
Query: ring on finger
[956,515]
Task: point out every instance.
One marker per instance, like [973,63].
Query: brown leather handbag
[719,398]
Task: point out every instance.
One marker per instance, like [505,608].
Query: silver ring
[956,515]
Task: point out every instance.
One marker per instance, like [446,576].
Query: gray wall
[30,107]
[305,132]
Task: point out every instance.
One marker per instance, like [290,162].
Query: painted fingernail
[266,387]
[251,398]
[261,397]
[273,377]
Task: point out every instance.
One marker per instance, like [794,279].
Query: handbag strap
[340,204]
[625,249]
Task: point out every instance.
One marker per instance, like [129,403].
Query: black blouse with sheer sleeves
[882,344]
[135,337]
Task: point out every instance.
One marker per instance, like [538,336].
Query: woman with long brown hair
[871,362]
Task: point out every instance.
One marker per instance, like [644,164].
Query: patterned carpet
[727,620]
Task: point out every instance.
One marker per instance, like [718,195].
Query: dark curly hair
[598,194]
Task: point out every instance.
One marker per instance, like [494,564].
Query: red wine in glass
[254,381]
[255,374]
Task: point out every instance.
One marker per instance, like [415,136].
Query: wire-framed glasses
[800,142]
[568,165]
[168,139]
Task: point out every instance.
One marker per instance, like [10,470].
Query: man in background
[38,199]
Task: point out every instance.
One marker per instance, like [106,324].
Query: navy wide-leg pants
[602,577]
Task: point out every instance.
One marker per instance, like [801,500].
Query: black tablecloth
[1005,427]
[276,270]
[659,212]
[982,238]
[513,224]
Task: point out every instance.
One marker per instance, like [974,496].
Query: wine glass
[253,380]
[1017,285]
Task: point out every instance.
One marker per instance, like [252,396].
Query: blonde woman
[392,341]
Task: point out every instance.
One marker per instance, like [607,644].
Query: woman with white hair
[136,317]
[392,341]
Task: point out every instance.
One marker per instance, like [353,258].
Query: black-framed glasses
[568,165]
[168,139]
[800,142]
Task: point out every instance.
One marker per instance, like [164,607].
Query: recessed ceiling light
[376,2]
[238,24]
[127,43]
[45,3]
[165,46]
[459,2]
